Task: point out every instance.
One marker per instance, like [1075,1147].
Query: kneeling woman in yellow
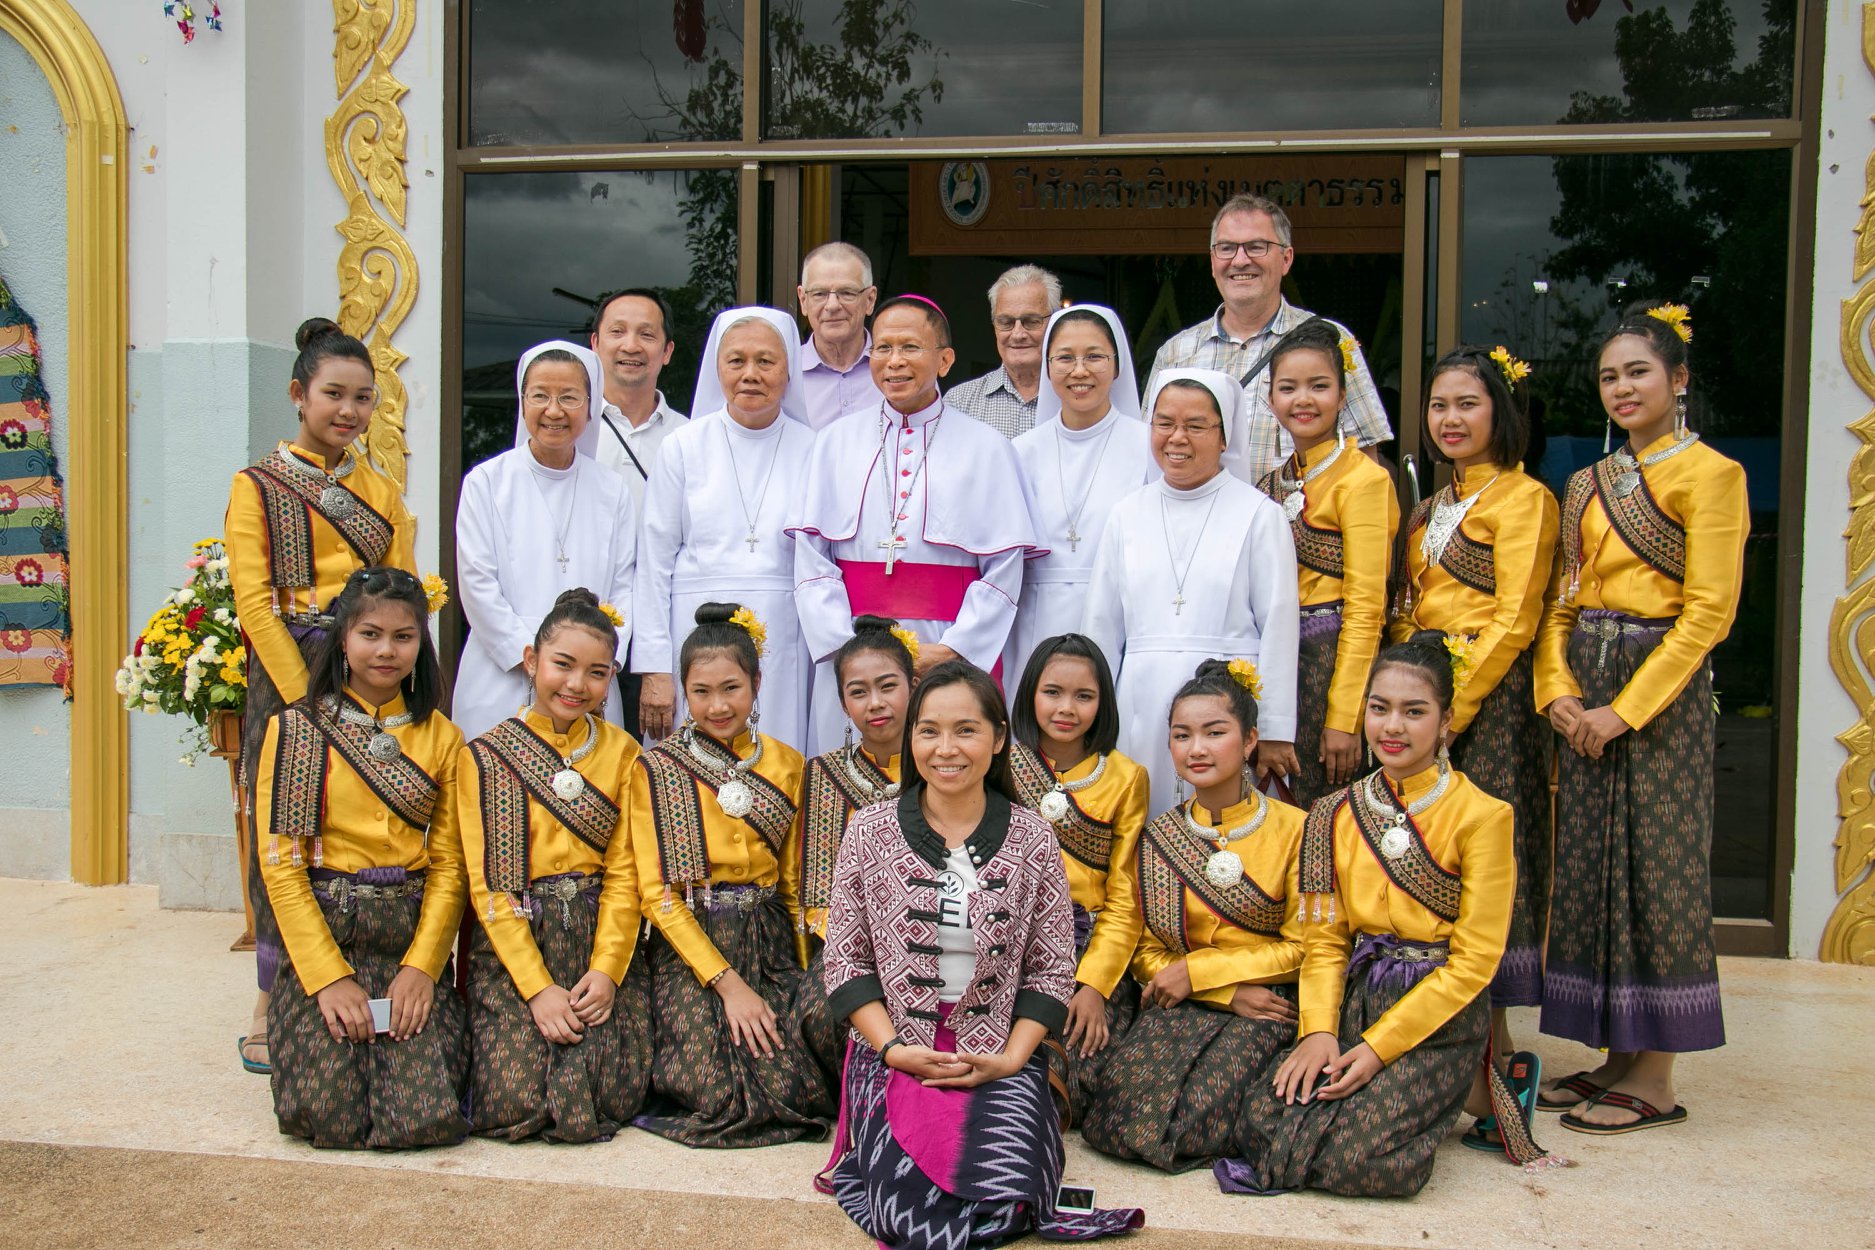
[562,1050]
[717,800]
[1221,944]
[363,866]
[874,669]
[1066,723]
[1406,878]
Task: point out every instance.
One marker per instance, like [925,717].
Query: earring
[1445,755]
[755,713]
[848,744]
[410,682]
[345,664]
[600,713]
[1679,415]
[1181,790]
[1608,437]
[1249,779]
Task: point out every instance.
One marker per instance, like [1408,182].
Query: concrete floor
[122,1017]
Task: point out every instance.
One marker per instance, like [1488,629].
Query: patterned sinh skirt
[1631,962]
[1315,673]
[824,1036]
[522,1085]
[916,1167]
[1506,753]
[383,1095]
[263,704]
[706,1089]
[1170,1091]
[1080,1074]
[1378,1142]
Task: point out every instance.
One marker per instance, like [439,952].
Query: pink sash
[910,592]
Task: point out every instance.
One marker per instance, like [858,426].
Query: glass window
[1540,62]
[861,69]
[1184,66]
[1554,248]
[539,248]
[596,71]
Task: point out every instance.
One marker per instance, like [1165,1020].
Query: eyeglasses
[569,401]
[1094,362]
[844,294]
[1255,249]
[1031,322]
[1165,428]
[906,351]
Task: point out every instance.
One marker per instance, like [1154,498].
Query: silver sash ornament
[1296,497]
[1448,510]
[1054,804]
[568,784]
[733,794]
[1628,479]
[1396,839]
[381,746]
[1225,867]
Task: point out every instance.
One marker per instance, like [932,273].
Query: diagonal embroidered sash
[1424,879]
[1316,857]
[829,800]
[299,778]
[1085,837]
[1638,521]
[1171,862]
[677,784]
[287,501]
[401,783]
[516,765]
[1317,549]
[1465,560]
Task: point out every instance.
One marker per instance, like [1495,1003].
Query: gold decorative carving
[1849,937]
[366,148]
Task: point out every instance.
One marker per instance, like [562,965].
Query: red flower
[16,640]
[194,618]
[29,572]
[9,500]
[138,648]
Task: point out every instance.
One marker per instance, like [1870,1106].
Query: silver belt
[565,890]
[737,898]
[1333,609]
[311,620]
[344,891]
[1607,629]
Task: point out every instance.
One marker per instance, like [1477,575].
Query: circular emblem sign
[964,191]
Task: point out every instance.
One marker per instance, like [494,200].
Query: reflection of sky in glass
[1524,58]
[587,71]
[1186,66]
[1509,201]
[1006,65]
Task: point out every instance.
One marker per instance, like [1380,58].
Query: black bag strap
[636,462]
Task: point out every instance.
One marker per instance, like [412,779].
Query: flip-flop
[259,1069]
[1651,1116]
[1525,1077]
[1482,1135]
[1579,1086]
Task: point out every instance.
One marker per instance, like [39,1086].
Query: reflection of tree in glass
[1658,222]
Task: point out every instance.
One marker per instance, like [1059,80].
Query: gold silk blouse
[334,560]
[1120,798]
[1355,497]
[1705,493]
[1468,832]
[738,854]
[1518,517]
[1223,956]
[359,831]
[553,849]
[816,917]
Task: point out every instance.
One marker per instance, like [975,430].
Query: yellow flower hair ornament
[906,639]
[612,614]
[1679,316]
[1349,344]
[1245,674]
[1513,369]
[746,621]
[436,592]
[1458,651]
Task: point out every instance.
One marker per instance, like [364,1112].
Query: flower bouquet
[189,660]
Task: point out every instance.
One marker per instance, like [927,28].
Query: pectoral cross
[751,540]
[1074,539]
[892,546]
[563,560]
[1178,604]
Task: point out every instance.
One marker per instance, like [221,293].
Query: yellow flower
[436,590]
[908,640]
[1679,316]
[1245,674]
[1348,344]
[746,621]
[605,609]
[1513,369]
[1458,647]
[231,675]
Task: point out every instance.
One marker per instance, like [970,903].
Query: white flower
[223,616]
[149,697]
[188,761]
[185,595]
[148,660]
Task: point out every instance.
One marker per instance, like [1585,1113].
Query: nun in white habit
[723,490]
[1086,452]
[1197,565]
[535,521]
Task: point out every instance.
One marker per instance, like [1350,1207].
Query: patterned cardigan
[882,924]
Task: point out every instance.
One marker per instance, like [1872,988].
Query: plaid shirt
[992,399]
[1208,346]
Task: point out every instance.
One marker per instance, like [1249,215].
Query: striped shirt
[992,399]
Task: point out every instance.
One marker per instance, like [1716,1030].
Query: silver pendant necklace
[381,746]
[735,470]
[335,501]
[1074,514]
[894,541]
[1225,867]
[849,761]
[733,794]
[1447,511]
[1628,480]
[1054,804]
[1294,494]
[568,784]
[1396,839]
[1197,540]
[562,528]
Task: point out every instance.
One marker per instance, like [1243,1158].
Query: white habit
[1239,593]
[967,527]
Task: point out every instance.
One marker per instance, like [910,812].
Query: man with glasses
[1004,398]
[1250,253]
[836,295]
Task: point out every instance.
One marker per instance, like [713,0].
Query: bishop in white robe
[1190,572]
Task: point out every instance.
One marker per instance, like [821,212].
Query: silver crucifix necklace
[895,541]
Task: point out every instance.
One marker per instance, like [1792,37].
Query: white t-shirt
[957,947]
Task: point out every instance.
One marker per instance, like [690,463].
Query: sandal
[1579,1086]
[261,1067]
[1483,1135]
[1525,1077]
[1650,1115]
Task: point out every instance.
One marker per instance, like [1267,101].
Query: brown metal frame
[1441,150]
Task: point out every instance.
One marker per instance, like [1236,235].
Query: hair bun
[716,613]
[579,594]
[313,329]
[870,624]
[1212,668]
